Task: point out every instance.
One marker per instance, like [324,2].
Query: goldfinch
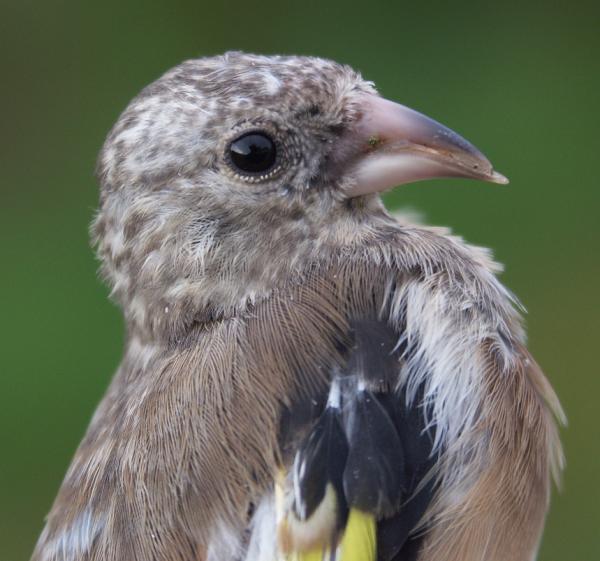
[305,376]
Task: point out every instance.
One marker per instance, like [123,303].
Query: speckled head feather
[179,231]
[256,304]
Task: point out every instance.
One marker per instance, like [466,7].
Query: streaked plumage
[304,373]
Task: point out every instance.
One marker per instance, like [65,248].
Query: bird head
[228,175]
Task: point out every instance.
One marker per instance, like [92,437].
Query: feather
[359,541]
[318,463]
[373,476]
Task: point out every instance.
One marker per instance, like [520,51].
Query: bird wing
[360,477]
[431,433]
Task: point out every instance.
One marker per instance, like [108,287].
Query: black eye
[253,152]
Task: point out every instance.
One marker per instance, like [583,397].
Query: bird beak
[396,145]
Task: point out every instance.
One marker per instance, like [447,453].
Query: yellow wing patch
[359,542]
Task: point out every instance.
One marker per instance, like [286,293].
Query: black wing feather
[374,476]
[319,461]
[373,447]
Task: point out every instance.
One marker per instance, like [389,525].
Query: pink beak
[397,145]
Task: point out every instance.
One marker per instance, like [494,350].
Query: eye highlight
[253,153]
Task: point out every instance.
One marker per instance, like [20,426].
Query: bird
[306,376]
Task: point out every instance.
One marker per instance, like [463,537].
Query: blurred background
[519,80]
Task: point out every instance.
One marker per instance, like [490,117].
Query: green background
[519,80]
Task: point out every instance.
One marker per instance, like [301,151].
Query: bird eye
[253,152]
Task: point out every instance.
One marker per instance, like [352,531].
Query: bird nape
[305,376]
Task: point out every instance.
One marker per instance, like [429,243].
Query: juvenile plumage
[305,376]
